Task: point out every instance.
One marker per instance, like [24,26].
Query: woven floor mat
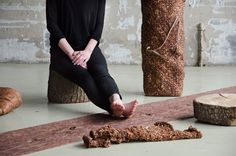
[42,137]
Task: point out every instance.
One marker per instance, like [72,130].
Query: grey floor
[31,80]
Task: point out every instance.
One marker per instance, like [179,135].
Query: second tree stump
[217,109]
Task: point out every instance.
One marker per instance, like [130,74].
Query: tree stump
[62,90]
[163,47]
[217,109]
[10,99]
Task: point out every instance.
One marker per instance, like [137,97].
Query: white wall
[24,38]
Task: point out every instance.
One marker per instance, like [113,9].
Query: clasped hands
[81,57]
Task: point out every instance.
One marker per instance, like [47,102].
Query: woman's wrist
[90,46]
[66,48]
[70,53]
[89,50]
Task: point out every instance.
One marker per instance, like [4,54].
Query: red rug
[38,138]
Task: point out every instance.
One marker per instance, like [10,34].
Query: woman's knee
[99,70]
[79,73]
[97,58]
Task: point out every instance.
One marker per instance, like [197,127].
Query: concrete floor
[31,80]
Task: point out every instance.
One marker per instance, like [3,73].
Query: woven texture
[163,47]
[42,137]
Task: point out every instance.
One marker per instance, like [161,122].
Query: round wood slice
[217,109]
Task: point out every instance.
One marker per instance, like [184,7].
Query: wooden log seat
[62,90]
[217,109]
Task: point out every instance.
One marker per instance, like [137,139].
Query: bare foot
[117,108]
[130,108]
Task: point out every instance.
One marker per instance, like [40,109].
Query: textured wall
[22,31]
[23,37]
[219,18]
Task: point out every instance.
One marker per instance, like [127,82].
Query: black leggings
[95,80]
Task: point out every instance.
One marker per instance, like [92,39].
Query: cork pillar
[61,90]
[163,47]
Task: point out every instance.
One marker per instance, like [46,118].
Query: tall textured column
[163,47]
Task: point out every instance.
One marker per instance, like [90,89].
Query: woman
[75,28]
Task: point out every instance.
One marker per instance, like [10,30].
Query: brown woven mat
[38,138]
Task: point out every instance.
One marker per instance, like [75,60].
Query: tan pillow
[9,100]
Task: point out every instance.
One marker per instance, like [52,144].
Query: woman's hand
[81,57]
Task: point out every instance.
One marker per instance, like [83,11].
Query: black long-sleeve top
[76,20]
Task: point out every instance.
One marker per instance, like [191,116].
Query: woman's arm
[82,57]
[53,28]
[51,17]
[91,45]
[66,48]
[100,21]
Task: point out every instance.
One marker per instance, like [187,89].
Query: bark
[217,109]
[61,90]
